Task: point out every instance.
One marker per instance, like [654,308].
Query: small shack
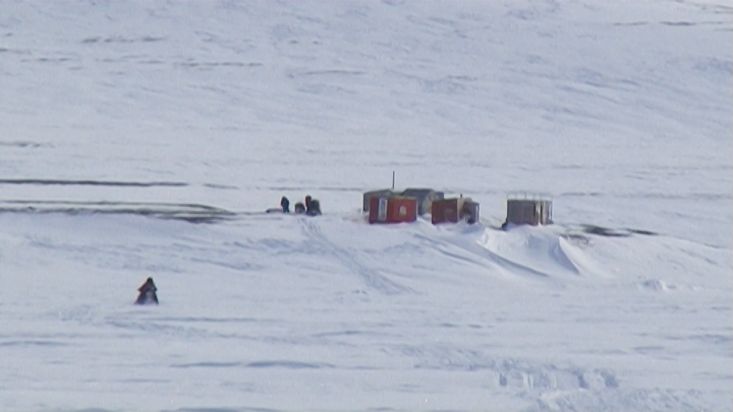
[392,209]
[425,198]
[376,193]
[528,210]
[454,210]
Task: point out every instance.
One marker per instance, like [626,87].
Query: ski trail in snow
[372,278]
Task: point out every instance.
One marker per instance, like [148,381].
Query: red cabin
[392,209]
[454,210]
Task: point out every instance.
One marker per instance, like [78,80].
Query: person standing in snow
[313,206]
[285,204]
[147,294]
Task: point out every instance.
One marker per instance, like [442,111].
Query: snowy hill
[145,139]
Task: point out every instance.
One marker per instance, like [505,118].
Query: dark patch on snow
[332,72]
[51,59]
[224,409]
[715,66]
[192,213]
[648,349]
[88,183]
[609,379]
[604,231]
[610,232]
[631,23]
[208,65]
[121,39]
[32,342]
[642,232]
[21,143]
[288,365]
[217,186]
[677,23]
[93,410]
[15,51]
[206,319]
[310,189]
[208,365]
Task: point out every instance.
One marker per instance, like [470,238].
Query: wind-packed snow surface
[146,138]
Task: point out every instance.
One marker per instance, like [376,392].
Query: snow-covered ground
[122,123]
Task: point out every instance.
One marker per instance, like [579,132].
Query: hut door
[382,211]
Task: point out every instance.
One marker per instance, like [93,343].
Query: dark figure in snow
[299,208]
[285,203]
[308,202]
[147,294]
[314,209]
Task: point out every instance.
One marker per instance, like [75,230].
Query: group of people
[311,207]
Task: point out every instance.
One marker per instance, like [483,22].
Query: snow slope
[145,138]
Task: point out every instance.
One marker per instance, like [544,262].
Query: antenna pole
[393,180]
